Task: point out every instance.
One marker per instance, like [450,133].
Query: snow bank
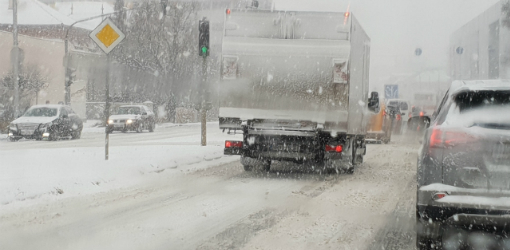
[32,173]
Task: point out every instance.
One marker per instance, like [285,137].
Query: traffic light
[203,38]
[70,76]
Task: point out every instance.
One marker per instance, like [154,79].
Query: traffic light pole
[67,97]
[203,106]
[15,58]
[203,50]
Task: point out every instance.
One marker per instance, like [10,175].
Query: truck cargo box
[295,70]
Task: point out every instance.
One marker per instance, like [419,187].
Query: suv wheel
[152,126]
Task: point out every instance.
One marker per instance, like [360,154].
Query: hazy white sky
[398,27]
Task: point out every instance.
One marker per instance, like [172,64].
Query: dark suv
[46,122]
[463,195]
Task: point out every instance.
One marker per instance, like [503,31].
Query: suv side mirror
[144,113]
[65,116]
[373,102]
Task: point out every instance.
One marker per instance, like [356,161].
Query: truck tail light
[229,68]
[233,144]
[332,148]
[340,71]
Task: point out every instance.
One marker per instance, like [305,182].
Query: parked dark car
[464,169]
[46,122]
[132,118]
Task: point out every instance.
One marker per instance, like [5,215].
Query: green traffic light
[204,50]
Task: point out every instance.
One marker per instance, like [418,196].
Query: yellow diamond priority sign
[107,35]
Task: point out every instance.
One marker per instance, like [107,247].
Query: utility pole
[15,56]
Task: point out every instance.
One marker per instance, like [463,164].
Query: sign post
[107,36]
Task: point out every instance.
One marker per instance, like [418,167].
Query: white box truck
[295,84]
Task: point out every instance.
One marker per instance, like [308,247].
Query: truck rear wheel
[249,164]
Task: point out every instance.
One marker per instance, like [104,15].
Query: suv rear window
[481,108]
[472,100]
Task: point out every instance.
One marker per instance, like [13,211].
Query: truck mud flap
[232,151]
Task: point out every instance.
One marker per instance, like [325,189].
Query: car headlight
[129,121]
[110,121]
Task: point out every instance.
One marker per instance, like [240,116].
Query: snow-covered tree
[31,81]
[162,46]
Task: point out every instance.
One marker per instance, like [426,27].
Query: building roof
[33,12]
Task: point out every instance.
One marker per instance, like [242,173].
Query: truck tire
[423,243]
[247,163]
[250,164]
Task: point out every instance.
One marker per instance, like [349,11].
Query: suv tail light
[332,148]
[233,144]
[449,138]
[438,196]
[229,68]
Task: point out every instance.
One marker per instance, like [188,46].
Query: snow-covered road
[162,191]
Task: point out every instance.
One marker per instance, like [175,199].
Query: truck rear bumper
[273,155]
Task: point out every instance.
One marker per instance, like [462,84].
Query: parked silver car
[48,122]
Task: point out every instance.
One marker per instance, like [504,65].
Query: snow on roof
[33,12]
[82,10]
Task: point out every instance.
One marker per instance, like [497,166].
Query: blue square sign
[390,92]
